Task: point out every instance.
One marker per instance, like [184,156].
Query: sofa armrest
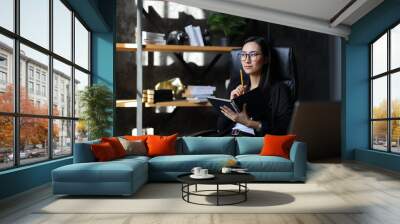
[83,152]
[298,155]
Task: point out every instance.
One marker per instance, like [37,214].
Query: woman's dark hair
[266,78]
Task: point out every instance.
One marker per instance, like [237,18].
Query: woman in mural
[274,114]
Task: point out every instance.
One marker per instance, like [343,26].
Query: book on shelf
[195,36]
[153,38]
[160,95]
[198,36]
[160,42]
[198,94]
[197,99]
[199,90]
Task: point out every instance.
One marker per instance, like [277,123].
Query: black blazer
[275,116]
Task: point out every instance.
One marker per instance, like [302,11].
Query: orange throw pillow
[116,145]
[277,145]
[103,151]
[161,145]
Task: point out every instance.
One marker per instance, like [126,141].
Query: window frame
[388,74]
[16,114]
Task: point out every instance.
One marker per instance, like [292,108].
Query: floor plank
[376,190]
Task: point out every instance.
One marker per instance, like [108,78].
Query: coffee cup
[226,170]
[203,172]
[196,171]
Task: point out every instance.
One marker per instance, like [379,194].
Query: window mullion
[50,81]
[73,82]
[16,84]
[389,106]
[371,137]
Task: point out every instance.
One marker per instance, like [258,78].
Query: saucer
[208,176]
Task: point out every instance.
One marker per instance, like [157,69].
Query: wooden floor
[354,182]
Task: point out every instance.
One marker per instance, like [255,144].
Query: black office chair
[284,70]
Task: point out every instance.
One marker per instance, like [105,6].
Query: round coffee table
[238,179]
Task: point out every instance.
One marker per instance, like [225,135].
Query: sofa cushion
[103,151]
[207,145]
[112,171]
[277,145]
[116,145]
[257,163]
[161,145]
[249,145]
[136,147]
[185,163]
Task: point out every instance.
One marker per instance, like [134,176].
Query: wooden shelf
[130,47]
[176,103]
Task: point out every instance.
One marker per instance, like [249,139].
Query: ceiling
[333,17]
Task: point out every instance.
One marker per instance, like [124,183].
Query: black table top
[220,178]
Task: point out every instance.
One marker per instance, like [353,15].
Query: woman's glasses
[251,54]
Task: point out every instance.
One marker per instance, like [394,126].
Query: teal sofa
[125,176]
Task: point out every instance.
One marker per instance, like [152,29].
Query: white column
[139,68]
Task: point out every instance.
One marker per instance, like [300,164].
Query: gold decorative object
[174,84]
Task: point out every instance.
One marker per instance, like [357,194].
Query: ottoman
[119,177]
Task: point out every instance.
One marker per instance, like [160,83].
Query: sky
[34,26]
[380,65]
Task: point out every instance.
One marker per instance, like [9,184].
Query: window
[7,14]
[62,29]
[43,77]
[38,89]
[81,81]
[81,45]
[37,74]
[62,74]
[3,78]
[45,131]
[35,22]
[30,72]
[385,94]
[44,91]
[62,137]
[3,72]
[3,61]
[6,142]
[30,87]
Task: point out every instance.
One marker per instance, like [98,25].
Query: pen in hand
[241,77]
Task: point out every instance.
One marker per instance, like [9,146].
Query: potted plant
[229,25]
[96,103]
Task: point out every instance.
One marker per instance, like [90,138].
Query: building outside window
[3,60]
[3,78]
[30,87]
[37,75]
[43,90]
[3,72]
[30,72]
[385,91]
[44,78]
[34,81]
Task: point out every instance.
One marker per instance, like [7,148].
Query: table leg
[196,188]
[188,190]
[217,194]
[245,193]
